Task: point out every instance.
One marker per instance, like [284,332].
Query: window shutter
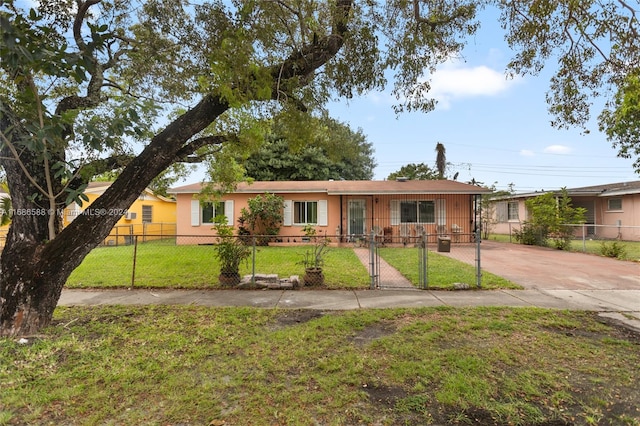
[288,213]
[228,212]
[441,211]
[323,219]
[395,212]
[195,213]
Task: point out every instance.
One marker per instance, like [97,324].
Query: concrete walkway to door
[390,277]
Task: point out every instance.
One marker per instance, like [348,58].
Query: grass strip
[198,365]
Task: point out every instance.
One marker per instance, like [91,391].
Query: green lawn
[164,264]
[443,272]
[170,365]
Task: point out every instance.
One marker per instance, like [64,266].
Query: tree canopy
[422,171]
[97,85]
[334,152]
[414,171]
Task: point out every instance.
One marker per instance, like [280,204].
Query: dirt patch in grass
[373,332]
[386,396]
[618,330]
[290,318]
[624,330]
[481,417]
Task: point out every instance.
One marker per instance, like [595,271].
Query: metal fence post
[423,276]
[135,255]
[253,261]
[478,263]
[372,260]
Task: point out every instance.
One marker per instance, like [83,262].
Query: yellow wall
[162,221]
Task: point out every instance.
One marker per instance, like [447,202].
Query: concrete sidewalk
[620,305]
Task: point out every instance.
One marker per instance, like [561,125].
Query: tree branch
[312,56]
[84,173]
[96,83]
[185,152]
[83,8]
[433,23]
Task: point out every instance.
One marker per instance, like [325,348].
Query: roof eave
[618,193]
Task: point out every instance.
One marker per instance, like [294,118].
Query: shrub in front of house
[614,249]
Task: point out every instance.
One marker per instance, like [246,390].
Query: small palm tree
[441,160]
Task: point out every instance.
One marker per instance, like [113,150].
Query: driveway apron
[550,269]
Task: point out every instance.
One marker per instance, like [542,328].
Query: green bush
[550,214]
[562,240]
[613,249]
[532,235]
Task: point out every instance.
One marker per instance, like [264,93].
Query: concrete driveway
[550,269]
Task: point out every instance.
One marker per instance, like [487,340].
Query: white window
[305,212]
[211,210]
[417,212]
[205,213]
[614,204]
[507,211]
[512,210]
[147,214]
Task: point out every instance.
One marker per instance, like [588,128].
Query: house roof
[606,190]
[100,187]
[348,187]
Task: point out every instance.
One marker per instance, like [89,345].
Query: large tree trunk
[30,286]
[36,263]
[34,269]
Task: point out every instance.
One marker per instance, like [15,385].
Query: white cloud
[557,149]
[453,82]
[527,153]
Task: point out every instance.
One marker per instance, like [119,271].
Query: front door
[356,217]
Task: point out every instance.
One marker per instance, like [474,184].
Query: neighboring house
[149,215]
[3,228]
[613,210]
[393,210]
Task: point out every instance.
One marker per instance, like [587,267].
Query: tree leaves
[621,120]
[591,42]
[312,149]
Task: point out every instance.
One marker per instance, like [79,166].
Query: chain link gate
[393,279]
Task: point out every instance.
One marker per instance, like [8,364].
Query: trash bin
[444,244]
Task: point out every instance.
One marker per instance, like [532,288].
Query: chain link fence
[150,231]
[583,233]
[181,261]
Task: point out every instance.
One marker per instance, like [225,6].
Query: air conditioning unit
[130,215]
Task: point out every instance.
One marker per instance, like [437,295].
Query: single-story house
[150,215]
[613,210]
[393,210]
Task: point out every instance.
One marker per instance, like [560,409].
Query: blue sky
[494,129]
